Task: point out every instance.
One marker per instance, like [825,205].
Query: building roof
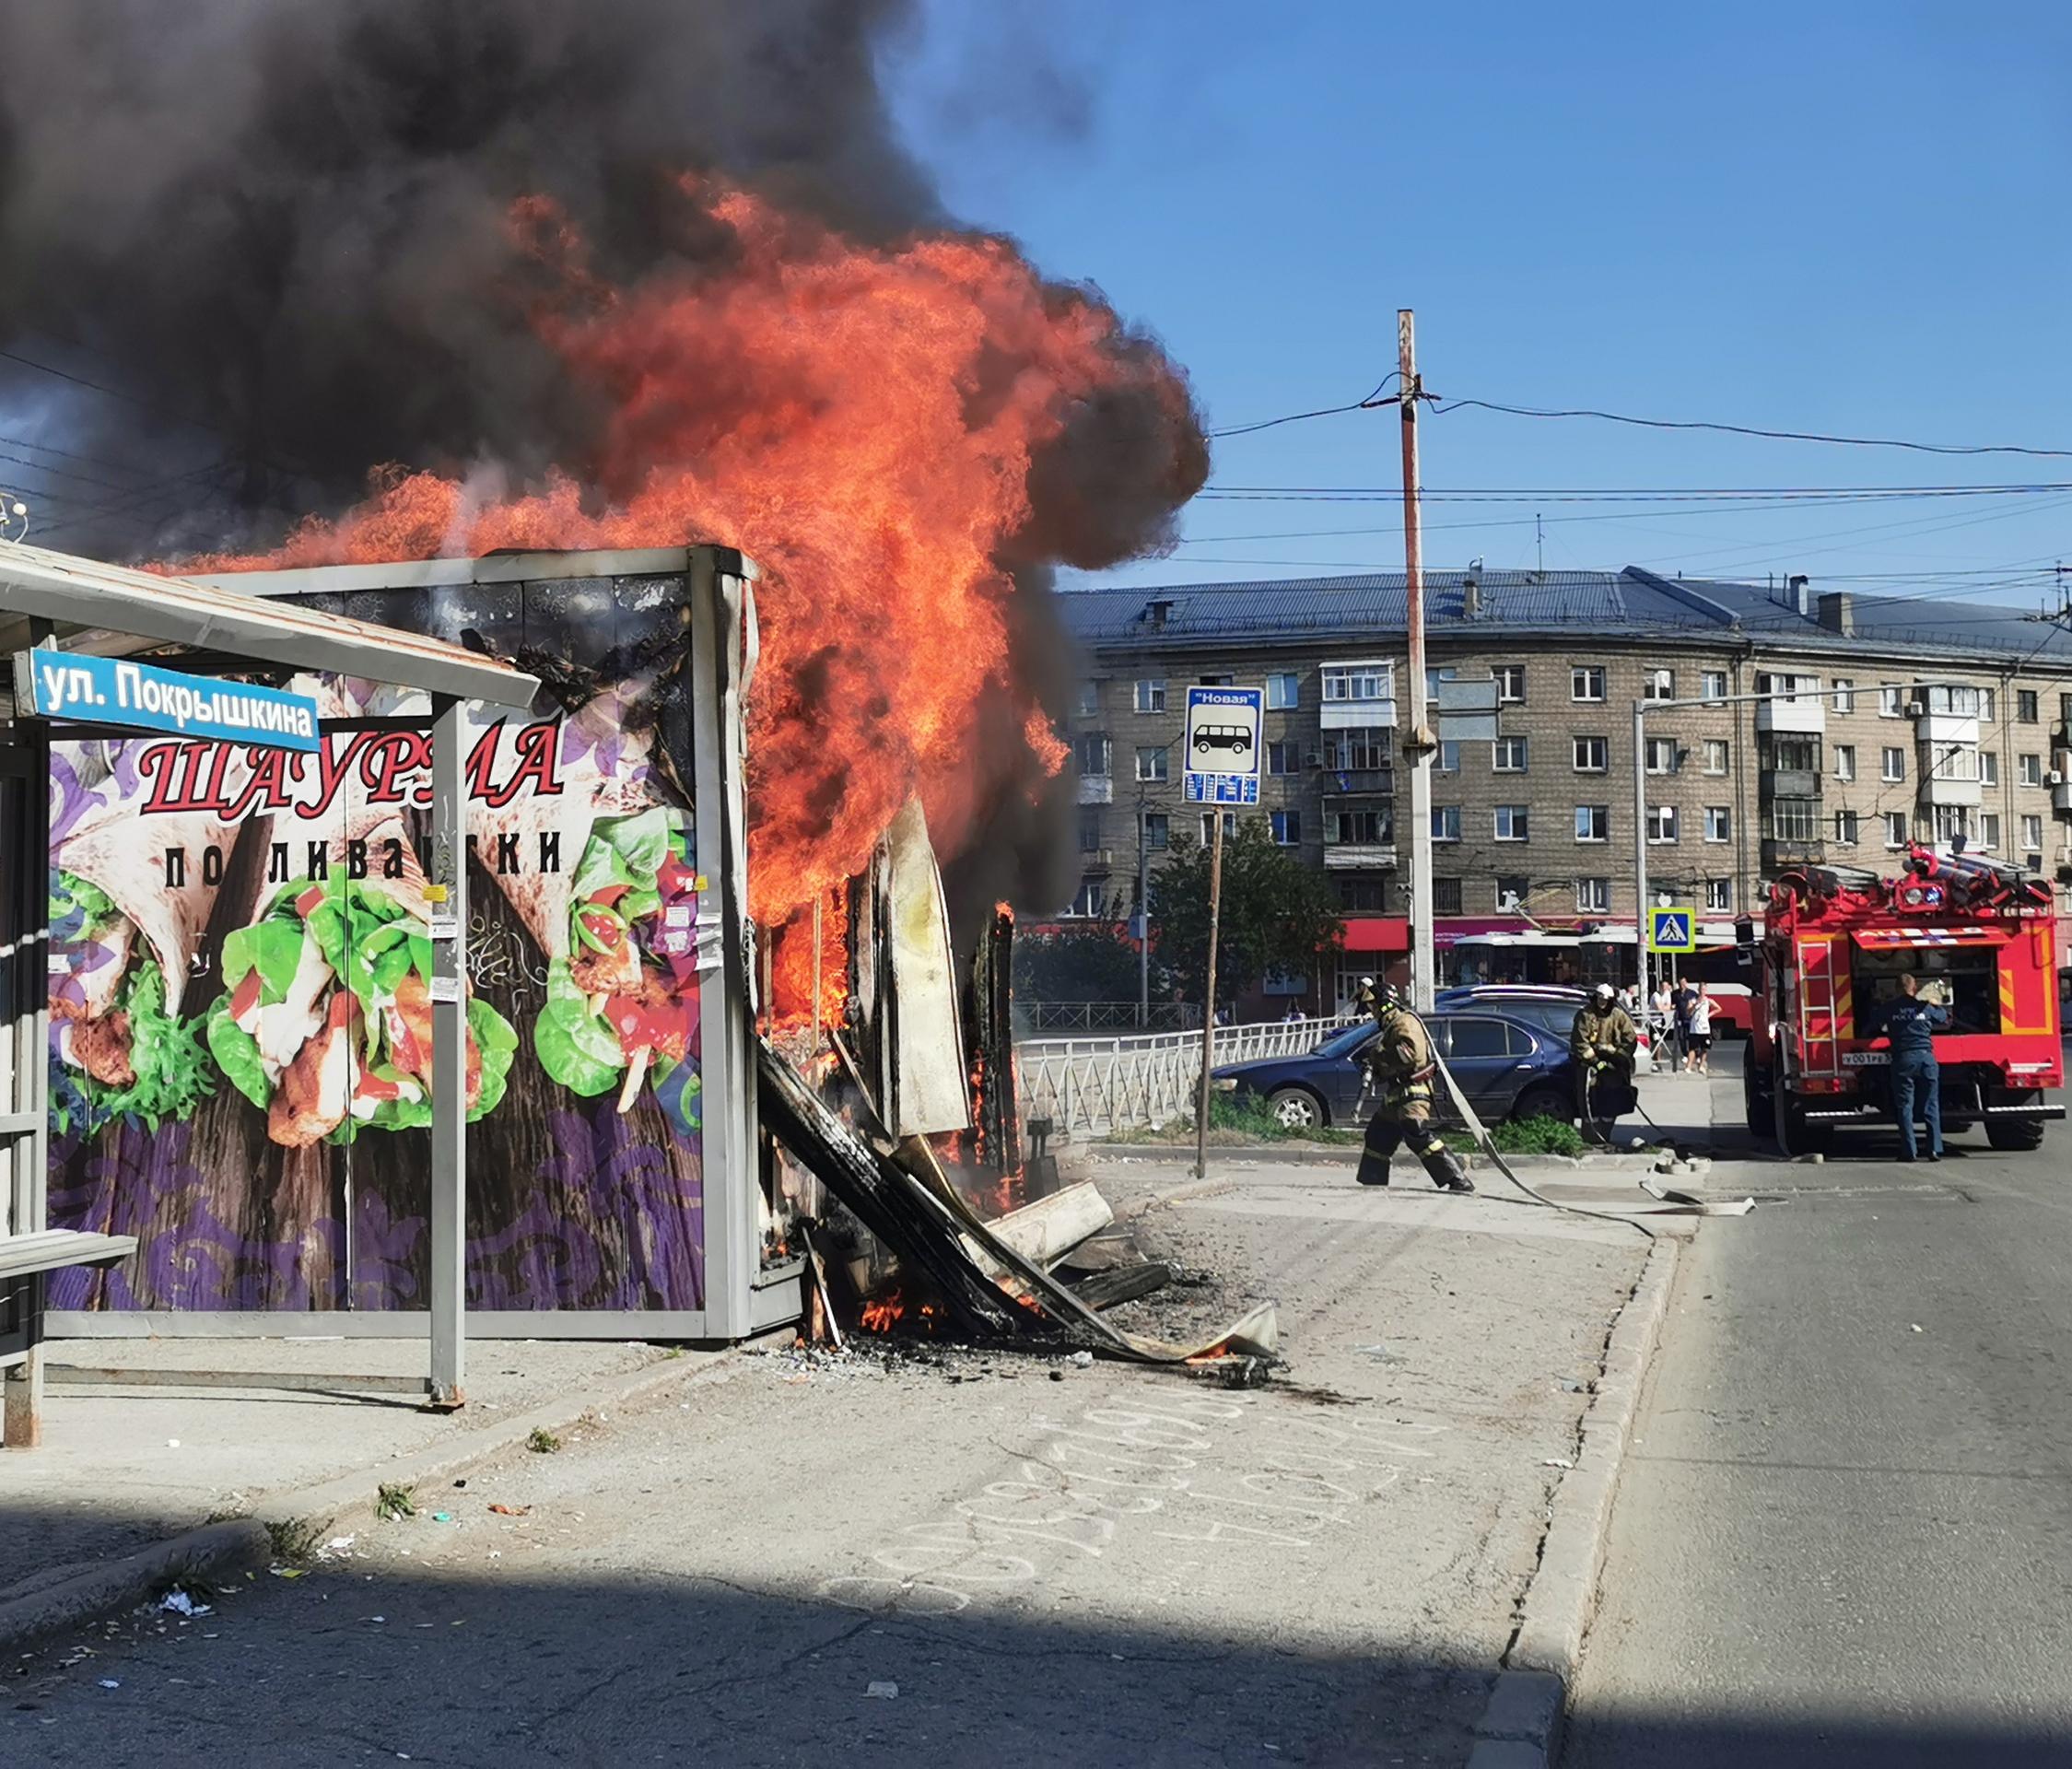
[1628,603]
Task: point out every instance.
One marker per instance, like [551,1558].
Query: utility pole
[1209,993]
[1143,924]
[1419,745]
[1640,845]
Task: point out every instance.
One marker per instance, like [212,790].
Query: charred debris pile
[901,1175]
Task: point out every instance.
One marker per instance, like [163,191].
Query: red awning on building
[1377,933]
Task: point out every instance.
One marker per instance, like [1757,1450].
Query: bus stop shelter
[62,621]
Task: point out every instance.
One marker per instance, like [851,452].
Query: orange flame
[792,965]
[860,419]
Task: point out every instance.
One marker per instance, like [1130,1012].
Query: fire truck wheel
[1794,1135]
[2015,1133]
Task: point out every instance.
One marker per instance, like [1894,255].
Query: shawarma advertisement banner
[240,1017]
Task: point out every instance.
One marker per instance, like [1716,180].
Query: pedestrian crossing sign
[1673,930]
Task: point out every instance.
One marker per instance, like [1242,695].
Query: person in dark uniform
[1401,1067]
[1911,1023]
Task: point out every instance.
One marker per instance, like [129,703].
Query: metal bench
[25,1264]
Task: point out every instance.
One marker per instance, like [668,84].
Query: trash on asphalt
[883,1690]
[111,1682]
[1570,1386]
[1383,1353]
[1913,1326]
[178,1603]
[1083,1360]
[511,1510]
[1556,1462]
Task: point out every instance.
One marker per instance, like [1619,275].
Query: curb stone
[1521,1725]
[312,1511]
[210,1552]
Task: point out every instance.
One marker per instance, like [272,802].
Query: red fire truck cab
[1836,943]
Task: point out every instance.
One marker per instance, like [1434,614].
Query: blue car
[1510,1064]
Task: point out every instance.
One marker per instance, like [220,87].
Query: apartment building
[1883,720]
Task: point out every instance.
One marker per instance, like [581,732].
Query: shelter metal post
[448,893]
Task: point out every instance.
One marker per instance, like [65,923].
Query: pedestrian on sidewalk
[1911,1023]
[1679,1013]
[1401,1066]
[1659,1011]
[1700,1033]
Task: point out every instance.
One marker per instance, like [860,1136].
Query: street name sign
[1672,930]
[1221,744]
[113,691]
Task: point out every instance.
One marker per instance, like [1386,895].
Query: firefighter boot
[1383,1136]
[1442,1163]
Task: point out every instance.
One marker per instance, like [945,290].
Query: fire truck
[1980,935]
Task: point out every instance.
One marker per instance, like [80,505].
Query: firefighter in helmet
[1401,1068]
[1601,1044]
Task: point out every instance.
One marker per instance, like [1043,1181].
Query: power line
[1746,430]
[1372,402]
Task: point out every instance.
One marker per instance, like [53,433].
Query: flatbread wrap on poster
[616,926]
[124,934]
[325,1018]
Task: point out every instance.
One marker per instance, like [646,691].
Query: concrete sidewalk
[124,1467]
[1018,1554]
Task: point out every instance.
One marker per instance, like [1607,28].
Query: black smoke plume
[275,237]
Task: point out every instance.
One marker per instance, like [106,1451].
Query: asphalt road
[1845,1533]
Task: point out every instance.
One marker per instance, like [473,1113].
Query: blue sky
[1845,218]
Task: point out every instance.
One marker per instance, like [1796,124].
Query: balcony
[1942,729]
[1805,714]
[1936,788]
[1774,783]
[1359,856]
[1782,853]
[1353,715]
[1361,782]
[1096,788]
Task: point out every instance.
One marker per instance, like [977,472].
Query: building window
[1593,755]
[1844,694]
[1093,754]
[1989,832]
[1895,828]
[1447,761]
[1091,898]
[1794,820]
[1959,700]
[1718,823]
[1513,823]
[1089,832]
[1152,764]
[1361,749]
[1089,699]
[1955,762]
[1844,761]
[1593,822]
[1216,681]
[1151,696]
[1367,825]
[1287,827]
[1446,823]
[1158,829]
[1891,701]
[1511,894]
[1510,684]
[1794,754]
[1892,763]
[1445,896]
[2032,835]
[1209,826]
[1989,767]
[2028,769]
[1282,756]
[1283,690]
[1661,823]
[1359,682]
[1987,700]
[1719,892]
[1953,823]
[2025,705]
[1845,828]
[1507,756]
[1716,755]
[1661,754]
[1658,685]
[1585,684]
[1593,896]
[1362,893]
[1713,684]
